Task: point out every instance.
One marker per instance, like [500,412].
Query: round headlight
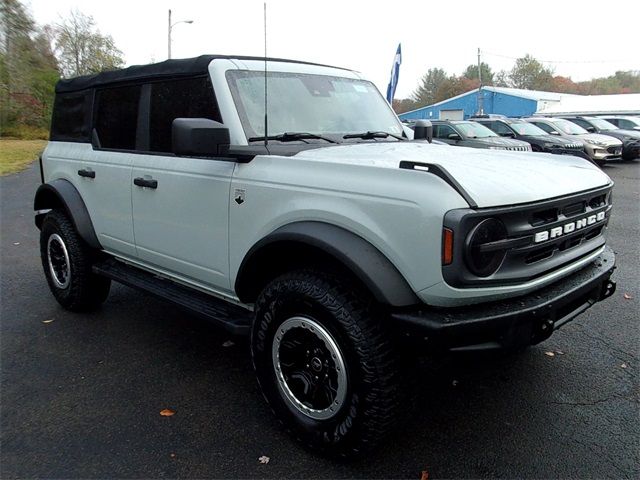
[483,256]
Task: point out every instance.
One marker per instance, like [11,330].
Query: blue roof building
[512,102]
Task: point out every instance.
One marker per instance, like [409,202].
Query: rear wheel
[324,364]
[67,261]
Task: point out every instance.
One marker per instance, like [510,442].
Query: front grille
[614,150]
[574,209]
[541,237]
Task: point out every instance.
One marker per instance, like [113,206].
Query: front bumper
[605,153]
[509,323]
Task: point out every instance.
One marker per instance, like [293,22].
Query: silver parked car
[600,148]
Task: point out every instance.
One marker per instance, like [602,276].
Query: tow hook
[608,289]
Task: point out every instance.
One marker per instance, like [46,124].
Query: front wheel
[324,363]
[67,261]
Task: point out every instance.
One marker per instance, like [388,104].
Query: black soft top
[168,68]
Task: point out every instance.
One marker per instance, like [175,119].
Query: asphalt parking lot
[81,394]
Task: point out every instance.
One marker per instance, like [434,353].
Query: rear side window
[117,116]
[544,126]
[500,128]
[71,117]
[582,123]
[186,98]
[443,131]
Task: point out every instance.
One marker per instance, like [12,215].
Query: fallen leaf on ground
[47,321]
[627,296]
[264,459]
[425,475]
[167,412]
[550,354]
[228,343]
[173,455]
[454,383]
[624,365]
[559,352]
[16,243]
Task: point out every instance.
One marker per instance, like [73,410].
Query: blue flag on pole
[395,72]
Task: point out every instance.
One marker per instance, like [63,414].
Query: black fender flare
[61,193]
[364,260]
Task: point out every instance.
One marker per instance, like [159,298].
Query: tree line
[527,73]
[33,58]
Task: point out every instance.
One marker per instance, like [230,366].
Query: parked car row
[599,147]
[630,138]
[598,139]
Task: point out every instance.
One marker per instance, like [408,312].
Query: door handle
[87,173]
[143,182]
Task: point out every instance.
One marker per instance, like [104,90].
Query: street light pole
[169,38]
[171,25]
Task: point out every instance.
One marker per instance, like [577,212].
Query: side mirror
[591,129]
[198,137]
[454,136]
[507,134]
[553,132]
[423,130]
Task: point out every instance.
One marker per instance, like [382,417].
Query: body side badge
[238,195]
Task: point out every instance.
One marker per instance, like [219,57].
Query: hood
[498,141]
[622,134]
[491,177]
[597,137]
[629,134]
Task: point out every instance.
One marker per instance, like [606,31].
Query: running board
[232,318]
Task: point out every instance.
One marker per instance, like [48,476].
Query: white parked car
[321,232]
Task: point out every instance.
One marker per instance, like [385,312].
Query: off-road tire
[85,290]
[373,393]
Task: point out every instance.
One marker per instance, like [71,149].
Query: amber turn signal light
[447,246]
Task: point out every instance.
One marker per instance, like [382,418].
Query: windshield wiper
[293,136]
[371,135]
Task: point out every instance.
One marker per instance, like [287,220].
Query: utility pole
[480,96]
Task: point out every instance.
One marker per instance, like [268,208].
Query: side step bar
[233,318]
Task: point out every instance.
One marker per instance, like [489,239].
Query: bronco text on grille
[516,244]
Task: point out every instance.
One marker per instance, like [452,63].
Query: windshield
[601,124]
[524,128]
[475,130]
[315,104]
[569,128]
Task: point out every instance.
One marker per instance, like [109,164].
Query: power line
[491,54]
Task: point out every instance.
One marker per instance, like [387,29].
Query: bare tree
[81,49]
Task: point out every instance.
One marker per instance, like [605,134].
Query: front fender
[375,270]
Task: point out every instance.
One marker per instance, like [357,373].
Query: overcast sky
[598,38]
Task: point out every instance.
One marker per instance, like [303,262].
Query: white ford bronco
[321,229]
